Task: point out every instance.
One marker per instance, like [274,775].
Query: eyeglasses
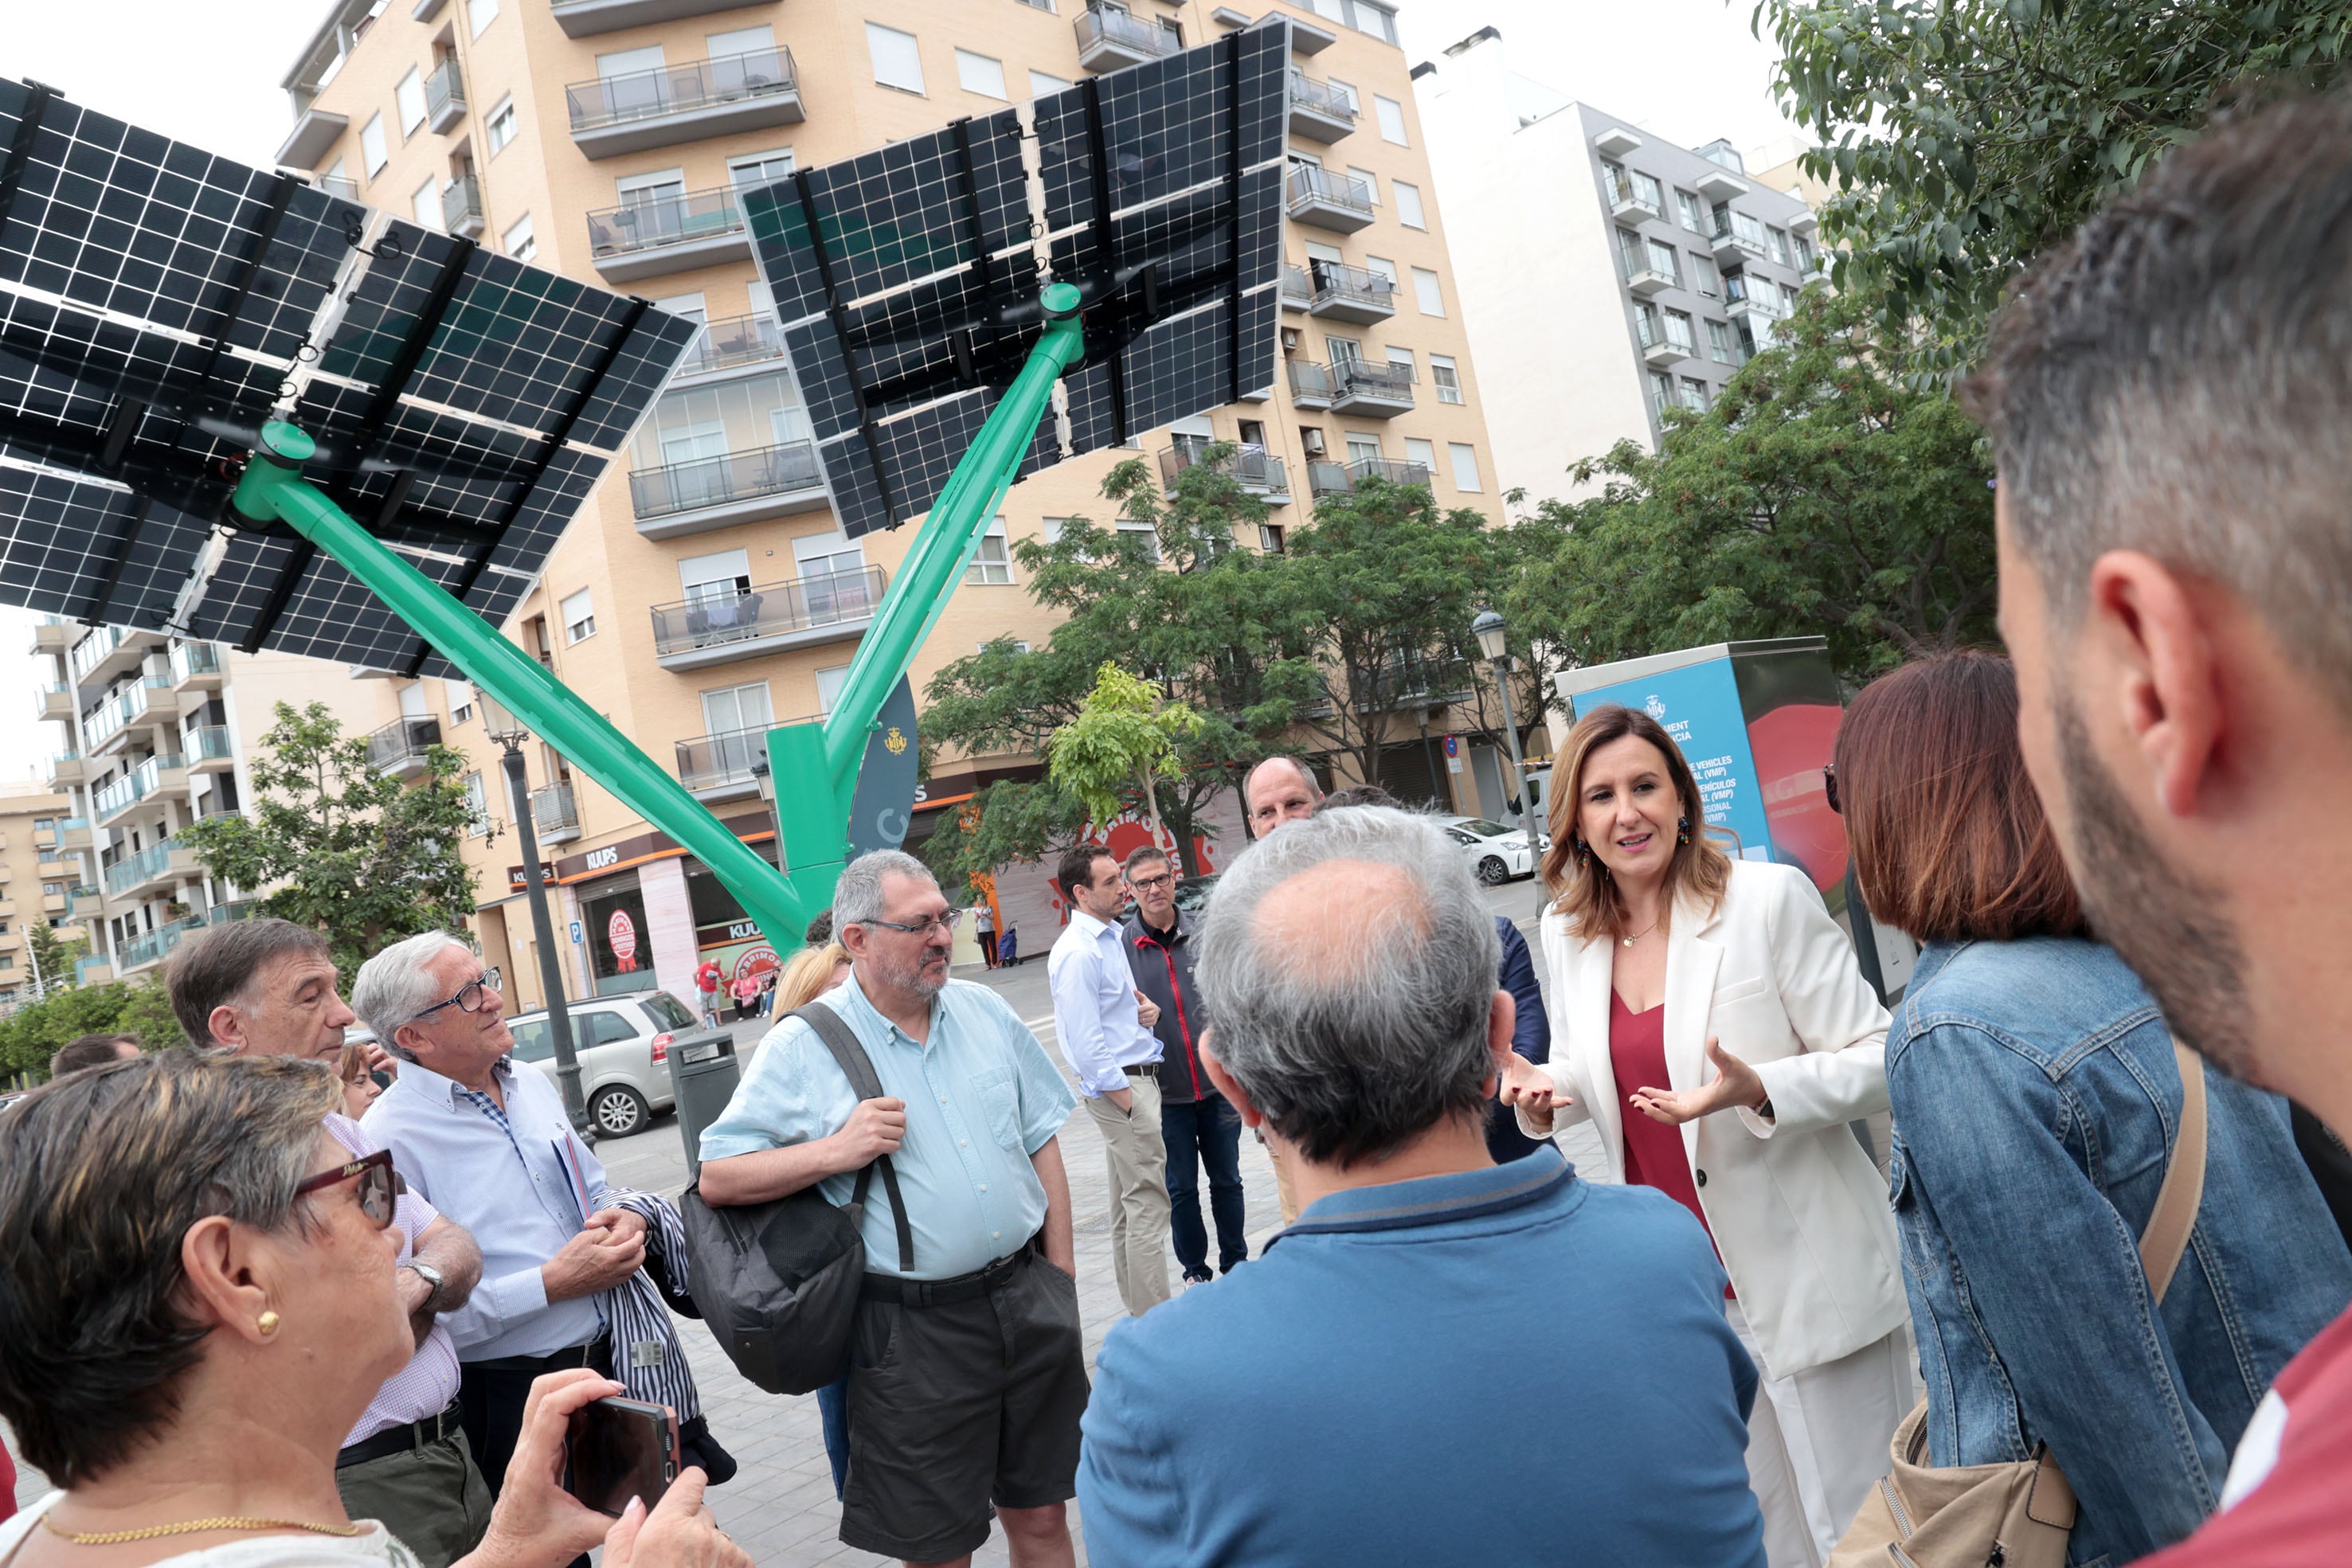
[1163,879]
[380,1184]
[473,997]
[948,922]
[1829,788]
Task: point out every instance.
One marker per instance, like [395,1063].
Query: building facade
[45,849]
[1661,269]
[706,591]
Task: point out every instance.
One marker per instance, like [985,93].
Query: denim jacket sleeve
[1992,1181]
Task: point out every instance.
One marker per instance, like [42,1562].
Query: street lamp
[504,728]
[1493,641]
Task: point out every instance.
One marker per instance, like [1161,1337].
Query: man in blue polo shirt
[967,1373]
[1444,1360]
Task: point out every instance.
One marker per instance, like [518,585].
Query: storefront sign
[622,933]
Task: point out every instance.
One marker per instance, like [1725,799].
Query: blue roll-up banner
[1699,706]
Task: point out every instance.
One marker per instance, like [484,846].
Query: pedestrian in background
[1721,1037]
[745,991]
[707,975]
[983,931]
[1277,790]
[92,1050]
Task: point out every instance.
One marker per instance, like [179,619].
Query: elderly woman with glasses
[196,1301]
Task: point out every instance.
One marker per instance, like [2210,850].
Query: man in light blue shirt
[967,1372]
[1106,1028]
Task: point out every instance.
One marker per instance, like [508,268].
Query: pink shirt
[429,1382]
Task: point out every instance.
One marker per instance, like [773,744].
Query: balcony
[1327,478]
[403,748]
[717,492]
[1738,242]
[554,815]
[153,947]
[1392,470]
[1339,203]
[461,207]
[313,135]
[1258,472]
[644,109]
[1317,111]
[73,833]
[107,724]
[338,186]
[208,750]
[1720,184]
[800,612]
[654,236]
[1110,40]
[445,97]
[731,344]
[84,903]
[1374,391]
[719,766]
[1351,294]
[93,969]
[52,902]
[64,770]
[586,18]
[52,634]
[152,869]
[1630,202]
[93,658]
[1297,288]
[1660,347]
[1646,281]
[53,702]
[1616,141]
[1311,386]
[154,776]
[197,665]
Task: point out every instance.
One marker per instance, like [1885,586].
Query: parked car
[623,1042]
[1192,893]
[1497,853]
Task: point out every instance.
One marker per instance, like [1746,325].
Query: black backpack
[777,1282]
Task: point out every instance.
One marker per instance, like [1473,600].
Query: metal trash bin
[703,1068]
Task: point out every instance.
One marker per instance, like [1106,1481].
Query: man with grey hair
[967,1371]
[267,987]
[2169,403]
[490,1145]
[1349,969]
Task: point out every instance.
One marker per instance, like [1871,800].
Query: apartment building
[1660,269]
[44,859]
[706,591]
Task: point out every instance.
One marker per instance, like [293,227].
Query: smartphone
[617,1449]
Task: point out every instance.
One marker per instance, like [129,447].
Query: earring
[267,1323]
[1682,831]
[1583,854]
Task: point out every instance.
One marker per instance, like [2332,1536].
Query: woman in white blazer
[1717,1023]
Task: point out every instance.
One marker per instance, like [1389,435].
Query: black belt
[540,1365]
[402,1439]
[942,1293]
[1143,1070]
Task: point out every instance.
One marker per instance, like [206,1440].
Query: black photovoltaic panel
[1162,202]
[157,304]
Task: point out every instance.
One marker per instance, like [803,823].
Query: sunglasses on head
[380,1184]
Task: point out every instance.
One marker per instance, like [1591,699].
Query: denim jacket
[2036,1100]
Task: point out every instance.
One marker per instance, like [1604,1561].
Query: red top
[1654,1151]
[2295,1518]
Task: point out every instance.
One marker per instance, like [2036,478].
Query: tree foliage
[53,952]
[1820,495]
[1969,135]
[352,851]
[33,1033]
[1123,743]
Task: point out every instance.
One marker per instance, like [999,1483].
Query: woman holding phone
[1719,1037]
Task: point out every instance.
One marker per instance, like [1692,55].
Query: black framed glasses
[380,1184]
[1164,879]
[948,922]
[476,995]
[1828,787]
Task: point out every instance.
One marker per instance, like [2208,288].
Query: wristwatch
[431,1276]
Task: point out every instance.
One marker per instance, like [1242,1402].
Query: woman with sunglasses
[196,1302]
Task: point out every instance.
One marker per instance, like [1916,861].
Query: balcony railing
[1256,471]
[1354,292]
[134,786]
[190,660]
[649,225]
[1310,384]
[1625,196]
[1120,34]
[1297,288]
[92,650]
[678,90]
[149,947]
[112,715]
[461,206]
[1327,478]
[767,610]
[1312,188]
[208,744]
[143,867]
[734,340]
[45,697]
[401,744]
[717,761]
[721,481]
[1395,471]
[554,809]
[1317,110]
[445,96]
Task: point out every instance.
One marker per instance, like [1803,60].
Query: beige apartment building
[44,855]
[706,591]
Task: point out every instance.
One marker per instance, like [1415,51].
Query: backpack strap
[2174,1215]
[858,1068]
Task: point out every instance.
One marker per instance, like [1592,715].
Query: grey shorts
[954,1407]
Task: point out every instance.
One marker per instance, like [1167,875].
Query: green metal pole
[274,490]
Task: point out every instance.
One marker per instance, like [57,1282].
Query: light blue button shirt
[1095,1011]
[981,1098]
[517,1187]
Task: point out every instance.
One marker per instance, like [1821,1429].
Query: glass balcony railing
[721,760]
[650,222]
[207,744]
[461,206]
[678,90]
[42,695]
[735,340]
[1254,470]
[92,650]
[1125,33]
[721,481]
[1297,288]
[401,744]
[143,867]
[1337,284]
[714,619]
[1307,93]
[190,660]
[554,809]
[1310,184]
[1361,378]
[1395,471]
[134,786]
[445,93]
[149,947]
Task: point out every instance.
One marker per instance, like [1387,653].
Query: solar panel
[158,304]
[1155,190]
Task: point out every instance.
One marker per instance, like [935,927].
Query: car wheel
[1493,871]
[618,1112]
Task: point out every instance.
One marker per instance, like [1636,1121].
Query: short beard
[2162,921]
[912,979]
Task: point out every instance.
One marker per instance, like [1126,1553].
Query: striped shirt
[429,1382]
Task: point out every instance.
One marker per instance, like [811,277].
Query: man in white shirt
[1105,1025]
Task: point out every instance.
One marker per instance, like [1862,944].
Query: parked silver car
[623,1042]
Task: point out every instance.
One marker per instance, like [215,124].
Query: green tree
[1123,742]
[1012,820]
[1969,135]
[33,1032]
[352,851]
[1821,495]
[53,952]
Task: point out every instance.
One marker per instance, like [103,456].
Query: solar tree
[234,406]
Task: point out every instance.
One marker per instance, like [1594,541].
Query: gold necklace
[1645,931]
[156,1531]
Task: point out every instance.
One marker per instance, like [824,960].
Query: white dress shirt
[1094,1007]
[519,1181]
[429,1382]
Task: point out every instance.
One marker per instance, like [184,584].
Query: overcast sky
[1686,69]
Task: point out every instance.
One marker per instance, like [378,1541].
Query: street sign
[577,934]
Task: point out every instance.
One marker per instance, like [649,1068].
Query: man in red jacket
[706,980]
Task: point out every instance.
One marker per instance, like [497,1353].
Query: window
[1348,91]
[1370,180]
[896,61]
[658,185]
[1143,534]
[1383,266]
[759,168]
[1802,249]
[500,128]
[829,687]
[730,710]
[372,153]
[1018,644]
[1401,359]
[482,13]
[1691,211]
[1718,343]
[1408,204]
[1694,394]
[579,618]
[1705,278]
[1647,192]
[1779,242]
[1343,350]
[1630,252]
[459,695]
[1270,539]
[426,202]
[518,241]
[477,807]
[1445,378]
[1426,293]
[1390,114]
[409,99]
[1425,452]
[739,41]
[1662,259]
[1662,392]
[1363,447]
[978,73]
[1465,466]
[1678,331]
[993,567]
[1040,84]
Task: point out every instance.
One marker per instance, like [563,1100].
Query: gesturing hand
[1146,1009]
[876,1128]
[1735,1083]
[1530,1088]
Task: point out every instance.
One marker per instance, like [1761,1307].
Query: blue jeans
[833,1411]
[1206,1131]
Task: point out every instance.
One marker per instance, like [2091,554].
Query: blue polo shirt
[982,1097]
[1500,1366]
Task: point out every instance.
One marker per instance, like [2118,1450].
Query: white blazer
[1798,1211]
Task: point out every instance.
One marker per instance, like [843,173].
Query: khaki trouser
[1138,1194]
[432,1499]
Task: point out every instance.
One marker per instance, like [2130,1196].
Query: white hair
[394,986]
[858,897]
